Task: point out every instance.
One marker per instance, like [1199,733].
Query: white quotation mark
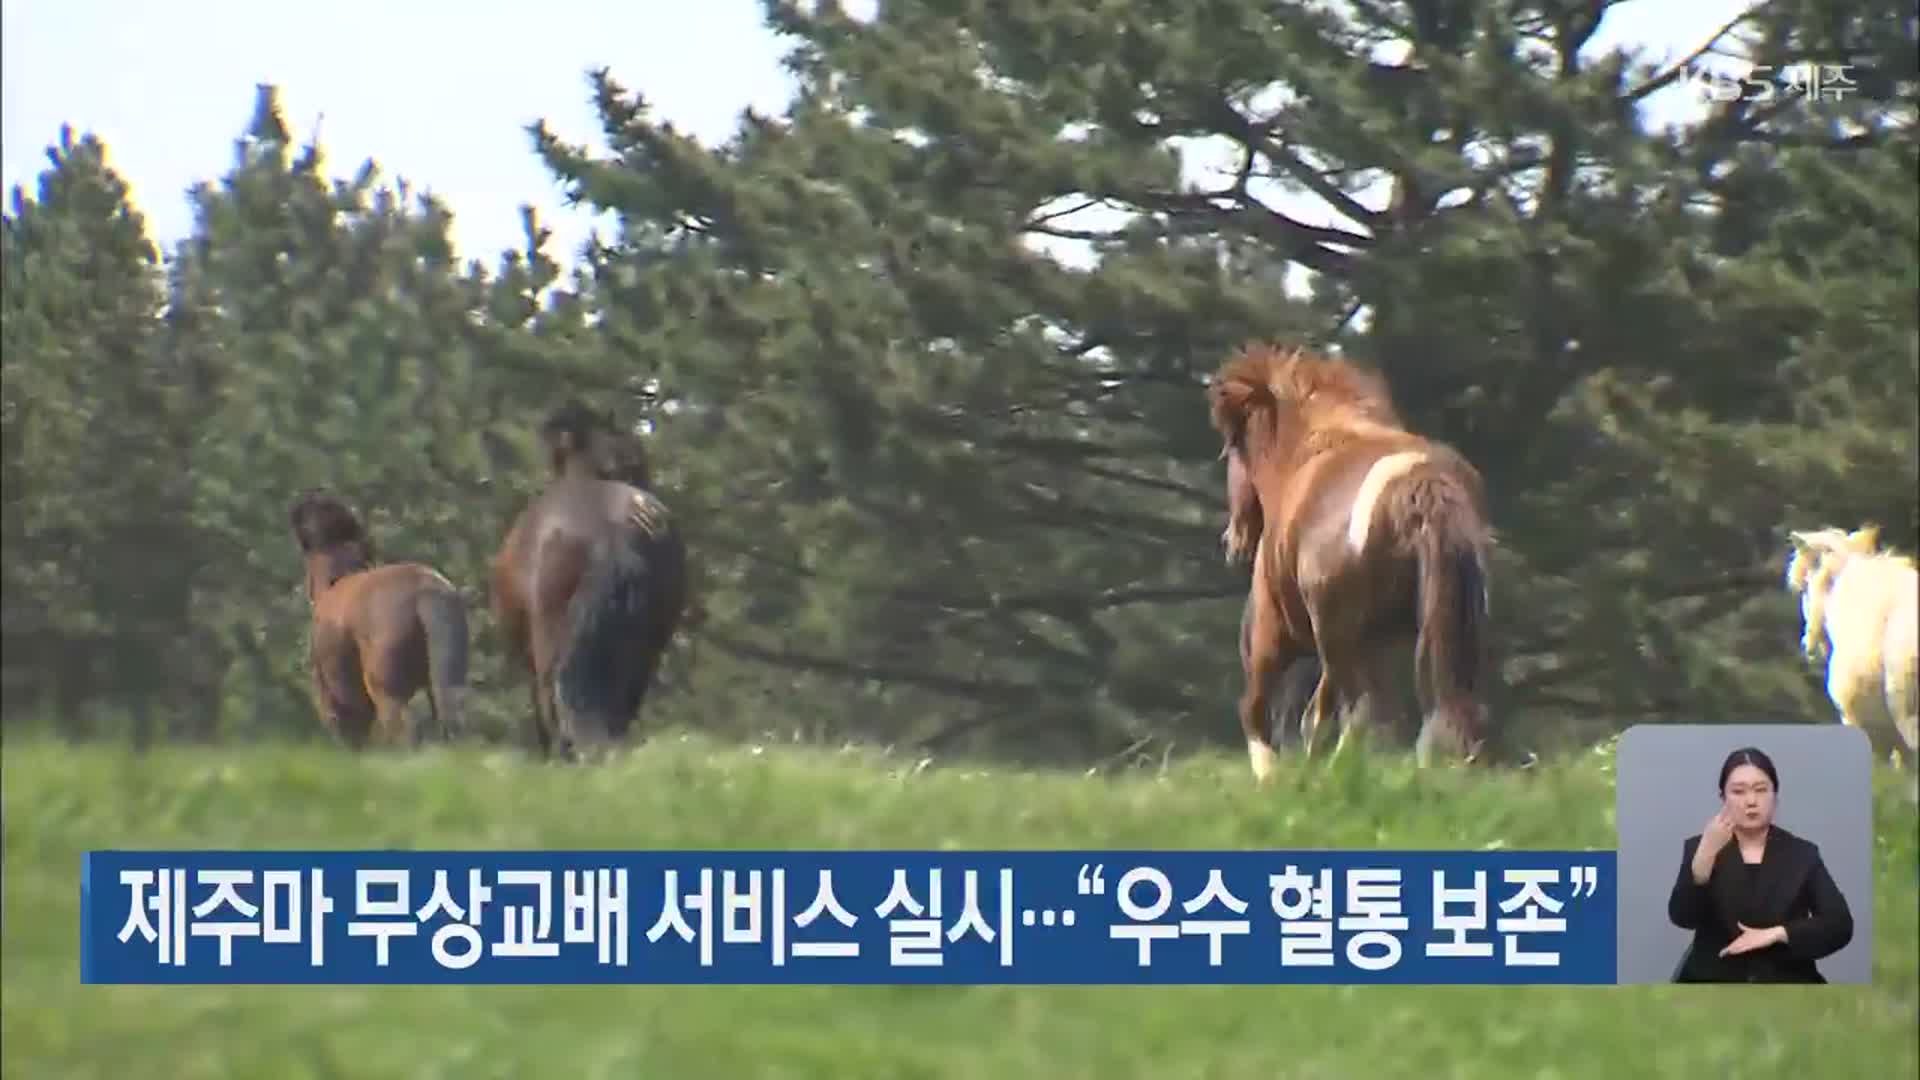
[1092,883]
[1587,876]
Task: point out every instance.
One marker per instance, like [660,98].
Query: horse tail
[1449,543]
[693,619]
[443,614]
[1902,648]
[623,613]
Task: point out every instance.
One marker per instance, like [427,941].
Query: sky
[441,93]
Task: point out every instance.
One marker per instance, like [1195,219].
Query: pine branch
[1297,239]
[1090,235]
[1685,63]
[1315,181]
[1085,204]
[1865,140]
[1152,483]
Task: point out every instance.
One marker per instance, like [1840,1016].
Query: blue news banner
[847,917]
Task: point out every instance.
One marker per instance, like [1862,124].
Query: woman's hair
[1748,755]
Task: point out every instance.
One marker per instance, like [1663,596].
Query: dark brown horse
[380,633]
[590,585]
[1362,536]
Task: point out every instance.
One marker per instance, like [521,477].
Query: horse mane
[1819,557]
[321,521]
[572,429]
[327,530]
[1263,389]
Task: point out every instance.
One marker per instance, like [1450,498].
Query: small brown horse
[1361,534]
[590,585]
[380,634]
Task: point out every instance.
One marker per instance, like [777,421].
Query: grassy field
[59,801]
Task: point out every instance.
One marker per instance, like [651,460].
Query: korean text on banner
[982,917]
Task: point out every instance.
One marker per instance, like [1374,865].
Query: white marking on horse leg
[1486,590]
[1367,500]
[1261,755]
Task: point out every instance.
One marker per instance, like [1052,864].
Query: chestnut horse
[380,634]
[1362,535]
[590,585]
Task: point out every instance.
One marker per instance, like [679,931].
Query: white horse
[1858,607]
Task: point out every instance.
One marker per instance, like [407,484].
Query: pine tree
[337,345]
[933,453]
[914,458]
[93,512]
[1788,401]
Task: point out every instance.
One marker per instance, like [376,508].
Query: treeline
[947,492]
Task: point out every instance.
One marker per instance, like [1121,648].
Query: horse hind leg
[553,722]
[447,703]
[352,719]
[1859,698]
[438,716]
[391,678]
[569,734]
[1326,706]
[339,692]
[1261,660]
[518,639]
[351,723]
[1287,719]
[394,721]
[547,729]
[582,737]
[1372,702]
[1337,683]
[1877,711]
[1899,665]
[354,727]
[1903,709]
[591,735]
[539,729]
[1906,747]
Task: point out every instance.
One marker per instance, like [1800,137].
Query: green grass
[60,801]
